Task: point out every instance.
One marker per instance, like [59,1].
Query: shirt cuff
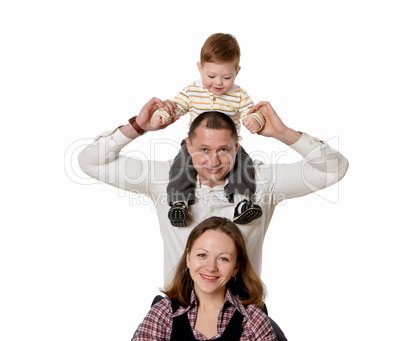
[164,114]
[306,144]
[116,136]
[259,118]
[120,138]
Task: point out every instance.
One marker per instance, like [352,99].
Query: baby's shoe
[178,214]
[246,212]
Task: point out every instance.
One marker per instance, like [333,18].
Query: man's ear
[199,66]
[237,145]
[238,71]
[188,144]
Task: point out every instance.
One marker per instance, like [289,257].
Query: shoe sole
[178,217]
[248,216]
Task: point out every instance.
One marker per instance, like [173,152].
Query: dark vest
[181,330]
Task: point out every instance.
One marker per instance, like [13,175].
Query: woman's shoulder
[162,307]
[258,323]
[254,310]
[163,303]
[167,306]
[157,323]
[244,309]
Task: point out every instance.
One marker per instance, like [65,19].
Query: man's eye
[224,150]
[204,150]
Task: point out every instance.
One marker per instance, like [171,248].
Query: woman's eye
[202,255]
[224,259]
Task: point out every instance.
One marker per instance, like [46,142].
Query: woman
[215,292]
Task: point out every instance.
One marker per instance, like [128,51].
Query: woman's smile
[209,278]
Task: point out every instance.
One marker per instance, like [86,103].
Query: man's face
[218,77]
[213,153]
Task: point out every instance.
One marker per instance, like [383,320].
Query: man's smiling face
[213,153]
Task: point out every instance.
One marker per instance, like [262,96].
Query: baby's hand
[157,120]
[251,124]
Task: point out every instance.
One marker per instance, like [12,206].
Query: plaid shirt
[158,323]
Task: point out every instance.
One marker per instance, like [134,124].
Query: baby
[214,91]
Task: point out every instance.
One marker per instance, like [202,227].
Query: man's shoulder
[158,163]
[161,166]
[155,171]
[264,175]
[258,163]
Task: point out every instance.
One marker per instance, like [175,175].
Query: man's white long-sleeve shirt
[320,167]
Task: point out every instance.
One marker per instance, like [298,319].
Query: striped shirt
[158,323]
[195,99]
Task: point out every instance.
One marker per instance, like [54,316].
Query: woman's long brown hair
[247,286]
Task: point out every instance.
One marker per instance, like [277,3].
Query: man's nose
[215,160]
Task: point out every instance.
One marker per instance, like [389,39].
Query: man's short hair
[220,47]
[213,120]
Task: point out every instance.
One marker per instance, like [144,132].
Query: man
[213,148]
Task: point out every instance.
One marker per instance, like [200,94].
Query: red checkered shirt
[158,323]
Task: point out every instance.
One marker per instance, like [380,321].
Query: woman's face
[212,262]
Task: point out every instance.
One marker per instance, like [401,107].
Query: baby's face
[218,78]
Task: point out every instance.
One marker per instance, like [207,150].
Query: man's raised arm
[274,127]
[101,160]
[321,166]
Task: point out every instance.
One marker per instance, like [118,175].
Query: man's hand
[274,127]
[145,115]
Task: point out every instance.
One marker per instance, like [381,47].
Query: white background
[83,261]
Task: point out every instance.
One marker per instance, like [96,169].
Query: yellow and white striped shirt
[195,99]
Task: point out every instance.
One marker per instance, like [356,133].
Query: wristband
[134,124]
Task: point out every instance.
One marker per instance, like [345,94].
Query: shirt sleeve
[245,105]
[320,167]
[182,101]
[103,161]
[259,324]
[157,325]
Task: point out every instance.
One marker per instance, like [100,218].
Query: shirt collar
[233,300]
[199,83]
[199,185]
[230,299]
[193,304]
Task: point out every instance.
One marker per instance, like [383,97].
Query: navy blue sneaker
[246,212]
